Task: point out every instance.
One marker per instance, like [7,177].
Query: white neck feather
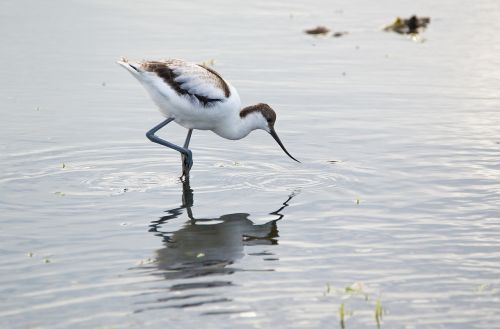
[236,127]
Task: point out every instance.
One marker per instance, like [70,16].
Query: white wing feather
[197,80]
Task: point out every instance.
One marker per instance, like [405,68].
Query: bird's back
[195,95]
[190,79]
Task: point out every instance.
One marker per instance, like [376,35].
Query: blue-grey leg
[184,151]
[187,160]
[188,138]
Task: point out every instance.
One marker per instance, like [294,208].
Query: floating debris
[63,165]
[356,287]
[46,260]
[59,193]
[412,25]
[339,34]
[484,287]
[210,62]
[31,254]
[357,201]
[200,255]
[318,30]
[146,261]
[227,165]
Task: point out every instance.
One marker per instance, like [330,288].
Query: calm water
[397,198]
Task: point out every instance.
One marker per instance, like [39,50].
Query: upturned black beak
[275,136]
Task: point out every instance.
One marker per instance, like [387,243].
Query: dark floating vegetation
[412,25]
[319,30]
[323,30]
[339,34]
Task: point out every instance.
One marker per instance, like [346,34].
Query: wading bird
[197,97]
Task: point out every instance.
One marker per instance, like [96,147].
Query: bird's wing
[190,79]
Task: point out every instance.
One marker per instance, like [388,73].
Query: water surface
[396,198]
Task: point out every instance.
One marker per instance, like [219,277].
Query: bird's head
[265,118]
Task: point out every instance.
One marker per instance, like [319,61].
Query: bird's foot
[187,163]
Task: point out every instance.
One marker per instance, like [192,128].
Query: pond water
[393,212]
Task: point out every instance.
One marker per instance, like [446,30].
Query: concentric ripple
[105,169]
[115,168]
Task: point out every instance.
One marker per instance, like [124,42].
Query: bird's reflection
[207,246]
[194,257]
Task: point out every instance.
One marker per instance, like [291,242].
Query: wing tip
[134,68]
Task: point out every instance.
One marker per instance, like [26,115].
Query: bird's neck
[238,127]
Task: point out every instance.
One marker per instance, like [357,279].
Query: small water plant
[378,312]
[355,290]
[342,315]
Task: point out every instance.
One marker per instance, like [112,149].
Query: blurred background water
[396,202]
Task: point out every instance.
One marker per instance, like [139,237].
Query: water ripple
[115,168]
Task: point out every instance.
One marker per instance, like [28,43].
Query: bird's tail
[133,68]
